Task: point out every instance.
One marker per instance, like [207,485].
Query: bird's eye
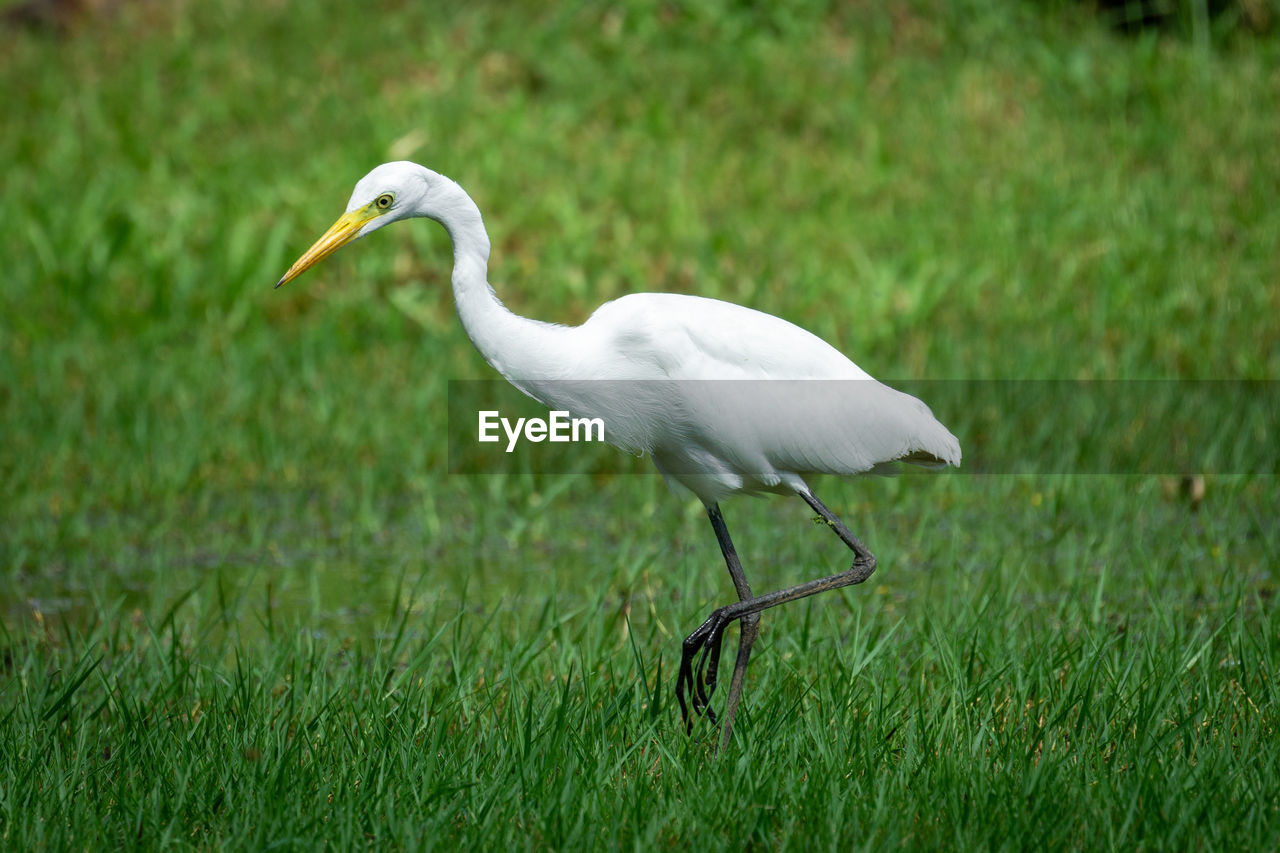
[384,201]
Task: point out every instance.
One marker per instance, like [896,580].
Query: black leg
[704,643]
[701,680]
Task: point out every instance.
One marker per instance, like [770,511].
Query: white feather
[726,399]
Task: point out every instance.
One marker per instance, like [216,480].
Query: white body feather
[725,399]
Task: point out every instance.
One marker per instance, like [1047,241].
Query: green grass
[244,604]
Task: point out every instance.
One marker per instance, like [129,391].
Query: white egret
[657,352]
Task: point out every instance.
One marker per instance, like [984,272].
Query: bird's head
[391,192]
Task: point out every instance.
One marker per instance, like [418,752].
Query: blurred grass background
[218,496]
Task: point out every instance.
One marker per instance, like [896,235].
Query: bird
[723,398]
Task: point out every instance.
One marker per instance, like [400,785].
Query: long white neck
[518,347]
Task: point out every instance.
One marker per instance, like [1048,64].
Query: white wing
[729,399]
[692,337]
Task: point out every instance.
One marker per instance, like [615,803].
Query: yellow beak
[339,234]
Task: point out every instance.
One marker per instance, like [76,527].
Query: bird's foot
[699,663]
